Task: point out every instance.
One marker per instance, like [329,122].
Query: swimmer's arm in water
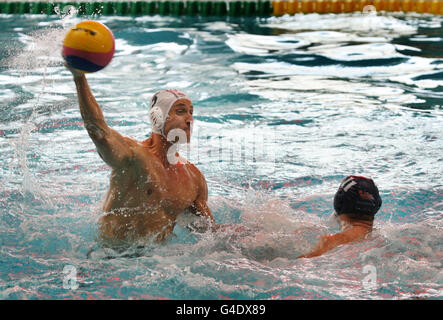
[330,242]
[112,147]
[325,244]
[201,209]
[200,206]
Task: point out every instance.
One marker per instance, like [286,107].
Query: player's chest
[176,189]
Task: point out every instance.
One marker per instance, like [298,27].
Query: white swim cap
[161,103]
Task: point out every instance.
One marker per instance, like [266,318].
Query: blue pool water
[308,99]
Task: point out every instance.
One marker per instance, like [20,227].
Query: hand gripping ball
[88,46]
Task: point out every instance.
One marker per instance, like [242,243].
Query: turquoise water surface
[285,108]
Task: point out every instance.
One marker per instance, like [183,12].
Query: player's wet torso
[145,198]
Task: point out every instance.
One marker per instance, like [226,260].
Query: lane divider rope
[220,8]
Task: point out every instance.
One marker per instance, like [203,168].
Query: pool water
[285,108]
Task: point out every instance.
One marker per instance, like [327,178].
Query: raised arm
[112,147]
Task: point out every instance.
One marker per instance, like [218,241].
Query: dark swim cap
[358,197]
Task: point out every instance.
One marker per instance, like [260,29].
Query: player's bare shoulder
[140,149]
[199,178]
[135,158]
[194,170]
[135,148]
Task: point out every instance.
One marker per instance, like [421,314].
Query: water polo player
[150,186]
[356,203]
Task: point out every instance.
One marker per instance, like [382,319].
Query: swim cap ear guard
[358,197]
[156,116]
[157,121]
